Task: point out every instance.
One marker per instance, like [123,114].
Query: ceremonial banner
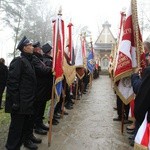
[90,59]
[128,55]
[79,63]
[69,72]
[142,139]
[90,62]
[58,50]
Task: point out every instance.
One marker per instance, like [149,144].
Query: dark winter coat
[136,82]
[42,74]
[48,61]
[21,86]
[142,100]
[3,74]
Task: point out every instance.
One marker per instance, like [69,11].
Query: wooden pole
[122,120]
[136,30]
[53,92]
[76,91]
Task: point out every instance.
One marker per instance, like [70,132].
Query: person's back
[21,72]
[141,87]
[3,72]
[3,78]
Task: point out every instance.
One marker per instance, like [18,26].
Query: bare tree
[13,16]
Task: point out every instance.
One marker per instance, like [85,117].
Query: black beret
[36,44]
[24,41]
[46,48]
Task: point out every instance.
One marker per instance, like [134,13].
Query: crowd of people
[28,83]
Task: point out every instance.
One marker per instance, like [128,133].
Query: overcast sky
[91,13]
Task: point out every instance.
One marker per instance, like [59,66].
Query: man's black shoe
[40,131]
[55,122]
[30,145]
[128,121]
[115,108]
[35,140]
[72,102]
[117,119]
[68,107]
[131,143]
[131,137]
[130,132]
[44,127]
[65,113]
[56,116]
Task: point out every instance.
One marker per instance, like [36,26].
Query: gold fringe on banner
[69,72]
[139,147]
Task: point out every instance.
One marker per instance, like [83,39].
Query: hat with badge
[46,48]
[36,44]
[24,42]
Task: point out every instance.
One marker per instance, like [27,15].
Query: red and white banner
[128,56]
[142,139]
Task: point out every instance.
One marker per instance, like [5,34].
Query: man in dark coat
[20,97]
[3,78]
[43,73]
[141,87]
[48,61]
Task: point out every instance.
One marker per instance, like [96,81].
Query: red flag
[84,47]
[58,51]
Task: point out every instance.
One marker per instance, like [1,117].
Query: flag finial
[60,11]
[123,10]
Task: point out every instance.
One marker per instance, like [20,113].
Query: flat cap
[24,41]
[36,44]
[46,48]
